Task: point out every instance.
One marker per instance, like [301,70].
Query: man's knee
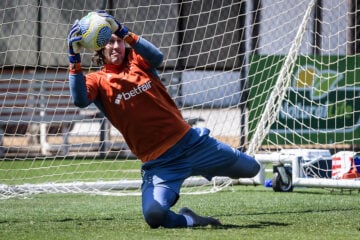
[249,170]
[254,169]
[155,215]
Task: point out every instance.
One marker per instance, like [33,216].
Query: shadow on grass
[89,220]
[259,225]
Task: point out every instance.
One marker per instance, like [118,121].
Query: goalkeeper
[127,89]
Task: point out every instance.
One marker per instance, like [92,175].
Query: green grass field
[247,212]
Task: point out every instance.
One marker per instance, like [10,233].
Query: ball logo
[95,31]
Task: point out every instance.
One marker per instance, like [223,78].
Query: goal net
[264,76]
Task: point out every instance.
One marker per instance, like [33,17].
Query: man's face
[114,51]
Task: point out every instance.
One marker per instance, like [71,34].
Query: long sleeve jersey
[134,100]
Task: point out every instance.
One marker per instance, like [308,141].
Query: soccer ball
[95,31]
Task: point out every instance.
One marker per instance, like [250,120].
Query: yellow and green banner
[322,104]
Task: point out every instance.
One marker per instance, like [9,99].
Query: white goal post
[264,76]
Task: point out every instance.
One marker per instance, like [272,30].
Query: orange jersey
[138,105]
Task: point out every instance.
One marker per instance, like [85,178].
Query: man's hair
[98,57]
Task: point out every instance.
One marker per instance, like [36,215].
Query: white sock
[189,220]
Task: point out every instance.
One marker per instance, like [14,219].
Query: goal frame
[232,77]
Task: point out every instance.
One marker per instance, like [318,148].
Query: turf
[247,212]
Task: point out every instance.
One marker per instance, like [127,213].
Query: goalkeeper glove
[116,27]
[74,45]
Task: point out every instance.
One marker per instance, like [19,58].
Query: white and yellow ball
[95,31]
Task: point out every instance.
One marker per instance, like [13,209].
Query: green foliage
[246,212]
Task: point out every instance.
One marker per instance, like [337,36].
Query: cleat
[199,220]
